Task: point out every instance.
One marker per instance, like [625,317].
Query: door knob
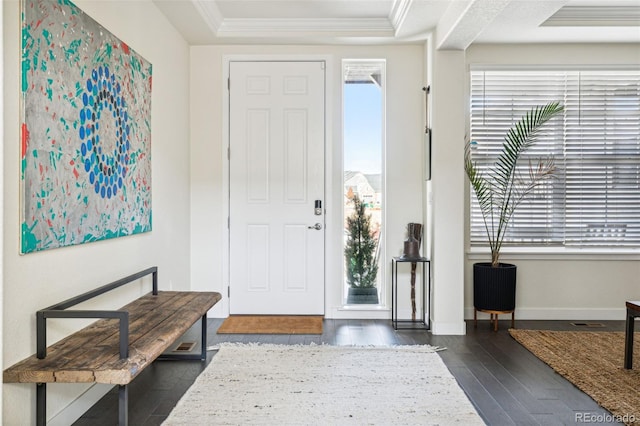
[317,227]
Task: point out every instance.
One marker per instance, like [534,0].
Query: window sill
[555,253]
[364,307]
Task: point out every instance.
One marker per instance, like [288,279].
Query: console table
[633,312]
[418,324]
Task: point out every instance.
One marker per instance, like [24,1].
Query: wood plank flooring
[505,382]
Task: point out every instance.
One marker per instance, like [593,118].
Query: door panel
[276,175]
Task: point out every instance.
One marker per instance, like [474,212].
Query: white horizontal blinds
[498,100]
[603,158]
[595,200]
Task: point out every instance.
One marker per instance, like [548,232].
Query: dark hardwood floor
[505,382]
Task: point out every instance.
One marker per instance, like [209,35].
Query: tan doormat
[271,324]
[594,362]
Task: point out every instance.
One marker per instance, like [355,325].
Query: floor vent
[587,324]
[185,347]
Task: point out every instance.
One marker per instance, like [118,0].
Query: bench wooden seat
[115,349]
[91,354]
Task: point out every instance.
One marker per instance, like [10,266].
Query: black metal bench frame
[59,310]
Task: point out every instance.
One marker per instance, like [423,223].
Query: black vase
[494,289]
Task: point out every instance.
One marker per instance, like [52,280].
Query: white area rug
[324,385]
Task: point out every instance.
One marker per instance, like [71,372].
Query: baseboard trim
[449,328]
[80,405]
[603,314]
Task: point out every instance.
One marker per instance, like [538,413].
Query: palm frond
[482,188]
[503,189]
[520,138]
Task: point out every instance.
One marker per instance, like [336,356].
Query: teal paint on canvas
[85,130]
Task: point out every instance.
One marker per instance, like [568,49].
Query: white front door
[276,167]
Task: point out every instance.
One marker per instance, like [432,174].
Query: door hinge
[228,291]
[229,84]
[228,222]
[322,65]
[229,153]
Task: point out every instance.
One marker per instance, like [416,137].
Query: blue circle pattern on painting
[106,170]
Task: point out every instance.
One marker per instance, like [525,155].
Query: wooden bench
[116,348]
[633,311]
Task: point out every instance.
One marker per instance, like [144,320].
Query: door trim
[328,181]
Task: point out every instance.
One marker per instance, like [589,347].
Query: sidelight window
[363,138]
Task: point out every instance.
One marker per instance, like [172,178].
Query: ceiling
[454,24]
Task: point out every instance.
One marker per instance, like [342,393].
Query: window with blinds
[595,199]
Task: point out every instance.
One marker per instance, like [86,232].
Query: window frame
[477,246]
[381,63]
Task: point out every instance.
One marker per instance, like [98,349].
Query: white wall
[37,280]
[1,186]
[571,286]
[447,185]
[404,198]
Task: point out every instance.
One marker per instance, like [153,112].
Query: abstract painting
[85,130]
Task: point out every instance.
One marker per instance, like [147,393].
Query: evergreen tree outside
[361,262]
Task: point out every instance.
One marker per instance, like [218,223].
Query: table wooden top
[635,305]
[92,353]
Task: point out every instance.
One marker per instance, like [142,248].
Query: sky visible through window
[362,128]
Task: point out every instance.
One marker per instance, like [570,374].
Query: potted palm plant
[499,191]
[360,256]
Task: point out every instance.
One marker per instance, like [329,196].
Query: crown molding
[258,27]
[595,16]
[210,13]
[353,27]
[398,13]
